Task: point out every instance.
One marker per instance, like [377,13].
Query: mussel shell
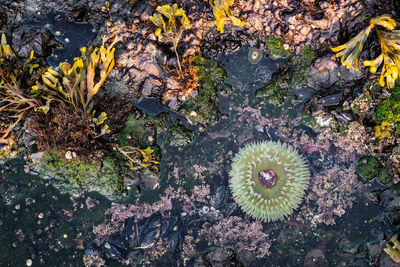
[230,208]
[113,249]
[167,225]
[130,233]
[219,197]
[149,238]
[154,221]
[173,241]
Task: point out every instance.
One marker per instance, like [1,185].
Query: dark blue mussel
[219,197]
[167,225]
[114,250]
[150,231]
[130,233]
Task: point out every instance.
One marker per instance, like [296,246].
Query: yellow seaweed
[222,11]
[390,47]
[169,31]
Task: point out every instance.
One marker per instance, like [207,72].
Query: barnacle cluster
[268,180]
[390,46]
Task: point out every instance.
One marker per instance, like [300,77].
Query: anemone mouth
[268,180]
[255,55]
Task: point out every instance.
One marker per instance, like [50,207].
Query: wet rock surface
[143,67]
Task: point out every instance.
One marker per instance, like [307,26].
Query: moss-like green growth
[211,75]
[78,177]
[389,110]
[180,135]
[277,89]
[135,132]
[276,49]
[370,168]
[300,65]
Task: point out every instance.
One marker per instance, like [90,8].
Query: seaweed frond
[138,158]
[393,251]
[13,99]
[77,84]
[222,11]
[390,48]
[169,30]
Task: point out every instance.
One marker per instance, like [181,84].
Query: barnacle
[222,11]
[390,47]
[170,30]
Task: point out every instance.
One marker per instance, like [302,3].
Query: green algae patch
[179,135]
[389,110]
[275,48]
[136,131]
[276,90]
[76,177]
[203,108]
[370,168]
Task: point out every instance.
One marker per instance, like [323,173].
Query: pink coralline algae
[331,194]
[244,236]
[120,212]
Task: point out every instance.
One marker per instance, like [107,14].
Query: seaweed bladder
[388,32]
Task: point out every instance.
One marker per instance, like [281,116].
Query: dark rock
[315,258]
[41,41]
[220,256]
[150,105]
[331,100]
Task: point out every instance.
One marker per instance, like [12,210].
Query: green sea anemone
[268,180]
[255,55]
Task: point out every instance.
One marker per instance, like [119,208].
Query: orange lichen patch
[8,147]
[183,86]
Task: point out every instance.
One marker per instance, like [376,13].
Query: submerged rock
[41,41]
[219,256]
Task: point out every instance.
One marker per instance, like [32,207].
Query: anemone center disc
[267,178]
